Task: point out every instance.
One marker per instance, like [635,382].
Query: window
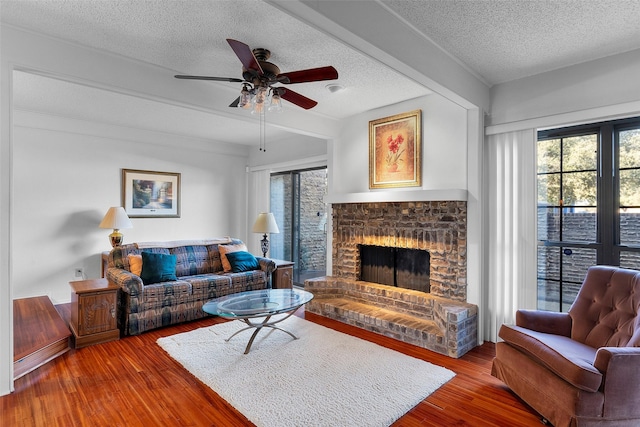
[588,205]
[297,201]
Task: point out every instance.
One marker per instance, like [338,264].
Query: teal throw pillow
[157,268]
[242,261]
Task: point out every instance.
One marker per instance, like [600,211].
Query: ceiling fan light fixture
[260,100]
[245,98]
[258,76]
[275,105]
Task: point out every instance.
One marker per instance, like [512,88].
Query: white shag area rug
[324,378]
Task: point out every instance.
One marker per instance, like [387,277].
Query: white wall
[6,298]
[444,149]
[67,173]
[595,90]
[283,152]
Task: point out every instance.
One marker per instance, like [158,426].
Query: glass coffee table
[260,305]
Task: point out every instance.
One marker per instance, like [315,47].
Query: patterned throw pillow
[227,249]
[135,264]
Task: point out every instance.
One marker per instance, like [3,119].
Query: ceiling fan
[259,77]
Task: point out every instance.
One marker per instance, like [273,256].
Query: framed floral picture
[149,194]
[395,145]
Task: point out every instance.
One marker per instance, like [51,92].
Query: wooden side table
[94,305]
[105,262]
[283,276]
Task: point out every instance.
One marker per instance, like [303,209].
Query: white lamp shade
[265,223]
[116,218]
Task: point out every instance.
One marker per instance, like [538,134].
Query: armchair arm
[621,370]
[127,281]
[267,265]
[547,322]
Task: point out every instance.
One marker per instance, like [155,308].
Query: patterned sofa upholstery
[200,277]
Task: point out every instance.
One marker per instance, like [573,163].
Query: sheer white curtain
[511,227]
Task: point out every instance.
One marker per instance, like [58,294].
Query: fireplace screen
[404,268]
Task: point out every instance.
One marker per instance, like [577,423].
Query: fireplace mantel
[456,195]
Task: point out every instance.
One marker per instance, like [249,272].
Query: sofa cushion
[248,280]
[159,296]
[135,264]
[567,358]
[242,261]
[207,286]
[226,249]
[157,268]
[191,260]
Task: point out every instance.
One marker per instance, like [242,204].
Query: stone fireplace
[437,227]
[439,319]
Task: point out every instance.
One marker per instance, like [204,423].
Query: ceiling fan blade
[296,98]
[245,55]
[235,103]
[217,79]
[310,75]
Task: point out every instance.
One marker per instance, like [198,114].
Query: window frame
[607,244]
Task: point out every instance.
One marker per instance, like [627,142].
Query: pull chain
[263,133]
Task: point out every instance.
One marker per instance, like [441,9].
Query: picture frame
[151,194]
[395,151]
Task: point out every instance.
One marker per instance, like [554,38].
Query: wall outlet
[79,272]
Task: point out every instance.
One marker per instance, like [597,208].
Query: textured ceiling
[502,40]
[189,37]
[497,40]
[64,99]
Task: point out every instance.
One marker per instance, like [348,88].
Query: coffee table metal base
[266,323]
[256,308]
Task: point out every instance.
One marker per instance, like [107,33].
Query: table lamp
[265,223]
[116,218]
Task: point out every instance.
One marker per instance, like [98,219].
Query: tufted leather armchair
[580,368]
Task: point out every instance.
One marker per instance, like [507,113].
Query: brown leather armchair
[580,368]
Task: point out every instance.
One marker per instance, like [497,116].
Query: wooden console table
[104,258]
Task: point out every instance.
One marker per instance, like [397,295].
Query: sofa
[163,283]
[580,368]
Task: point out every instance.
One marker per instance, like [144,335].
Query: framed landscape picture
[149,194]
[395,145]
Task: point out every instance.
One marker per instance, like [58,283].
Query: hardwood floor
[132,382]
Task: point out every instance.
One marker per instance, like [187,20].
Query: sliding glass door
[297,202]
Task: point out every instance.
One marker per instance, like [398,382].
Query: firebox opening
[401,267]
